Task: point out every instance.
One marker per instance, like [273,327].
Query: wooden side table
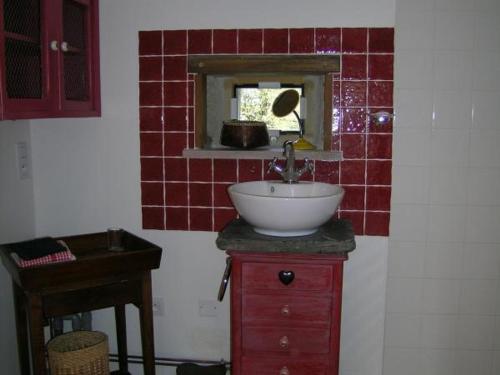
[98,278]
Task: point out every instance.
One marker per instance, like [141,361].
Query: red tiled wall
[183,194]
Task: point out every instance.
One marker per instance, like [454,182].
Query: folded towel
[62,256]
[36,248]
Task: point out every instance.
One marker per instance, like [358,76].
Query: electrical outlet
[208,308]
[23,162]
[158,306]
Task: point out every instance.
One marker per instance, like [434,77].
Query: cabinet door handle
[286,311]
[64,47]
[284,371]
[54,46]
[284,342]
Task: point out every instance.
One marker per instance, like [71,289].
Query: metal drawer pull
[284,342]
[285,310]
[54,46]
[284,371]
[64,47]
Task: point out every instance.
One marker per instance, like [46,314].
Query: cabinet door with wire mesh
[79,56]
[25,73]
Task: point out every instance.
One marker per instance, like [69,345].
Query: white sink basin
[278,209]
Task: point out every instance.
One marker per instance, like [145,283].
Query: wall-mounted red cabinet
[285,313]
[49,58]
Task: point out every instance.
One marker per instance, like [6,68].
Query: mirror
[283,105]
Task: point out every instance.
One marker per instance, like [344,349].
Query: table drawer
[300,276]
[286,340]
[282,366]
[283,309]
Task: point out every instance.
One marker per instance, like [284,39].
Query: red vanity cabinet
[49,65]
[285,329]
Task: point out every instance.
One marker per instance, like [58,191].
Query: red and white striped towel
[61,256]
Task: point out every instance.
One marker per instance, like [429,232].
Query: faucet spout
[290,173]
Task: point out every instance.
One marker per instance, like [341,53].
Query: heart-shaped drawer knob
[286,277]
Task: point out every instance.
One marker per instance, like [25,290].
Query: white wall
[16,224]
[86,174]
[443,293]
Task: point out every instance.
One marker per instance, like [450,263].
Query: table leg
[37,339]
[21,330]
[121,337]
[147,333]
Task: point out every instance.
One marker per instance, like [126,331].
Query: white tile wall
[443,293]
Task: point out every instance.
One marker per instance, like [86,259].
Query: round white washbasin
[279,209]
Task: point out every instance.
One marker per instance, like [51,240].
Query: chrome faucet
[289,173]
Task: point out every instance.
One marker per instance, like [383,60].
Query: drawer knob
[284,371]
[285,310]
[284,342]
[286,277]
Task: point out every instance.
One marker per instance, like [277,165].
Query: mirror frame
[204,65]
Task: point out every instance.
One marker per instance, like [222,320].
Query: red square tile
[326,171]
[191,140]
[223,217]
[175,143]
[353,146]
[378,198]
[152,193]
[151,144]
[354,66]
[190,98]
[176,218]
[377,223]
[275,40]
[175,68]
[200,194]
[200,219]
[151,169]
[150,119]
[357,220]
[200,170]
[191,119]
[354,120]
[373,127]
[225,170]
[150,93]
[150,68]
[335,142]
[176,193]
[301,40]
[249,170]
[225,41]
[250,41]
[380,93]
[199,41]
[221,196]
[328,40]
[352,172]
[153,218]
[149,42]
[175,93]
[378,172]
[381,67]
[353,94]
[354,40]
[381,39]
[175,169]
[175,42]
[176,119]
[379,146]
[354,198]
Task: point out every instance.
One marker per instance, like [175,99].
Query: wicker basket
[79,353]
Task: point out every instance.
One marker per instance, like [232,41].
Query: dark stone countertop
[336,236]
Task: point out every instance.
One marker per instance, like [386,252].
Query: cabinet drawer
[282,366]
[305,277]
[284,309]
[286,340]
